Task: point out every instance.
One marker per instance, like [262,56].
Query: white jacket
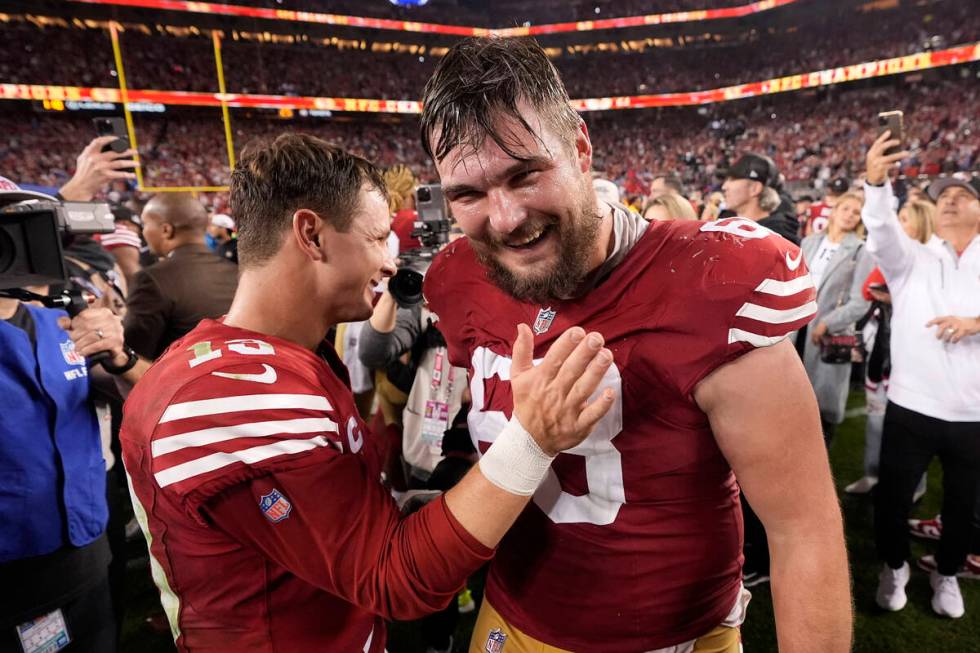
[929,376]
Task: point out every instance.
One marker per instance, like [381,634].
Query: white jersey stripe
[785,288]
[251,430]
[215,461]
[754,339]
[773,316]
[244,402]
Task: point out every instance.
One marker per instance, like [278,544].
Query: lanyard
[437,368]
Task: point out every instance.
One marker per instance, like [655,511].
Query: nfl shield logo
[275,506]
[495,641]
[71,356]
[545,317]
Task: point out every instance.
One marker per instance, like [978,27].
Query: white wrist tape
[515,462]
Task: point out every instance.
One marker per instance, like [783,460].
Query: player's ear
[307,231]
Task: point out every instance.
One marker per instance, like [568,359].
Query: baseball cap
[125,214]
[839,186]
[12,193]
[937,187]
[222,220]
[755,167]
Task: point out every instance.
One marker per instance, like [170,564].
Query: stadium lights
[457,30]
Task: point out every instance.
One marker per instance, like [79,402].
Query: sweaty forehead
[479,157]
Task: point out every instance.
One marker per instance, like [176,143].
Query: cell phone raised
[113,127]
[893,122]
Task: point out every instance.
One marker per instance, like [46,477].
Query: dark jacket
[169,298]
[783,220]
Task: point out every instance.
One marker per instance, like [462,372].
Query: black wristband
[125,367]
[881,185]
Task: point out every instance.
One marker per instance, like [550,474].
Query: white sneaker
[862,486]
[891,587]
[946,598]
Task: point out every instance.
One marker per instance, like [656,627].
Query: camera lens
[406,287]
[424,194]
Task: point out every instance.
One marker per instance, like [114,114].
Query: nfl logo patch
[275,506]
[71,356]
[545,317]
[495,641]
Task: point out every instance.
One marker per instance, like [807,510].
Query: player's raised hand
[551,399]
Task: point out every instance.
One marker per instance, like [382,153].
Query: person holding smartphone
[934,389]
[916,218]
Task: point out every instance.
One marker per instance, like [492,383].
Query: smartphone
[113,127]
[892,121]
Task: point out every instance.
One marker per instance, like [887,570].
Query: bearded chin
[563,277]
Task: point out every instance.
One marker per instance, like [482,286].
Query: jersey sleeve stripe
[215,461]
[214,435]
[242,403]
[785,288]
[754,339]
[774,316]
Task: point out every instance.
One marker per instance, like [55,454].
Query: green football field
[915,629]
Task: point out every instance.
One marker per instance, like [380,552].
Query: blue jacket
[52,475]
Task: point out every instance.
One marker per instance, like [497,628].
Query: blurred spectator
[838,264]
[712,207]
[124,243]
[934,390]
[669,206]
[916,220]
[169,298]
[819,213]
[220,237]
[750,193]
[661,184]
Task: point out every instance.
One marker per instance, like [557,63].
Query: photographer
[435,392]
[934,389]
[53,548]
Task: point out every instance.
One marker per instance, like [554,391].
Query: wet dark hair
[295,171]
[483,78]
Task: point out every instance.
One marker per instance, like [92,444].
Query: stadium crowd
[813,138]
[157,59]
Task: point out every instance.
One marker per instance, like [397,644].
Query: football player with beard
[633,541]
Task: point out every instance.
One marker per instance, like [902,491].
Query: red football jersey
[819,217]
[634,540]
[258,488]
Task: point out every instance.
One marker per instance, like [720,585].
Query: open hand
[551,399]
